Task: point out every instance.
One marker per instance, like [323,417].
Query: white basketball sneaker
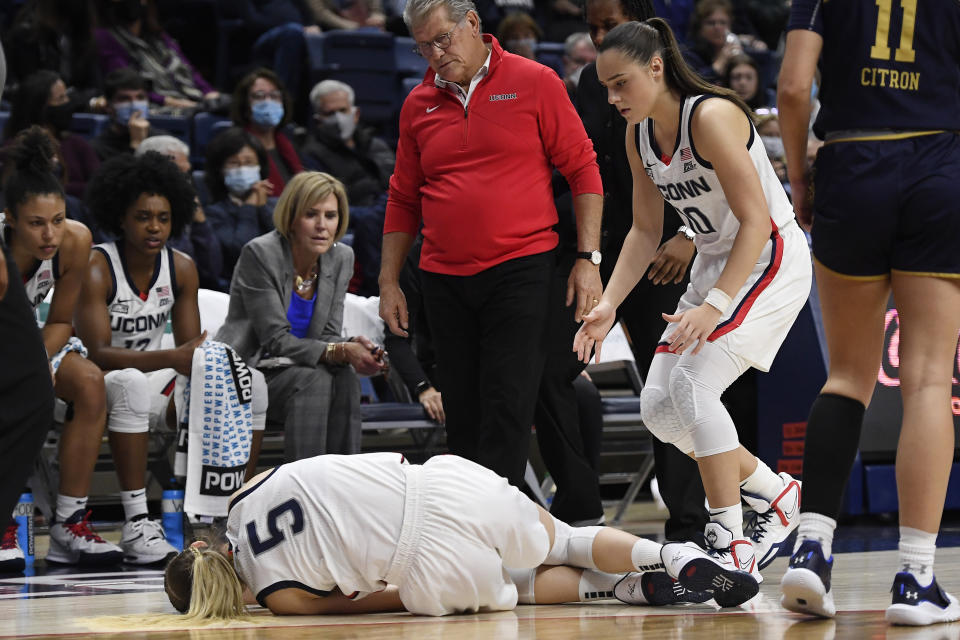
[143,541]
[11,555]
[727,572]
[73,541]
[769,528]
[655,588]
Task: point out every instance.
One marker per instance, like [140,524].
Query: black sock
[833,437]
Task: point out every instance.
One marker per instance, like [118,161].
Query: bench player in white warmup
[695,145]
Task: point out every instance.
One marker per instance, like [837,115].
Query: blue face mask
[267,113]
[240,180]
[124,111]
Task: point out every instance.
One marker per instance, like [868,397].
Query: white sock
[134,503]
[763,482]
[597,585]
[730,518]
[917,549]
[814,526]
[68,505]
[645,555]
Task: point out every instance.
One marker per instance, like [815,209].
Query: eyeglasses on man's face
[441,42]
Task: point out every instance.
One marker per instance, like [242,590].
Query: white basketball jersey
[690,184]
[39,282]
[319,523]
[139,319]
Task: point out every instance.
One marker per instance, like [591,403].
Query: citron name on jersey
[890,78]
[684,189]
[139,324]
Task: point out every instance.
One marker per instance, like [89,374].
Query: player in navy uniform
[885,218]
[695,145]
[131,286]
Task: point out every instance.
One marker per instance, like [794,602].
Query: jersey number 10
[905,52]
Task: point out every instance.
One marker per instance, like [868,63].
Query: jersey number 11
[905,52]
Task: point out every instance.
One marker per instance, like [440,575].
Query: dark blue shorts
[888,205]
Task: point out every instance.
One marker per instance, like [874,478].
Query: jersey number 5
[905,52]
[276,536]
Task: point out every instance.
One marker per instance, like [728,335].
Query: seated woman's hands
[366,357]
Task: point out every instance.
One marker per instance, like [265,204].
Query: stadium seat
[4,116]
[200,184]
[551,55]
[89,125]
[408,62]
[407,85]
[204,126]
[176,126]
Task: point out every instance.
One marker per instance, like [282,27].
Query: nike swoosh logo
[137,495]
[432,109]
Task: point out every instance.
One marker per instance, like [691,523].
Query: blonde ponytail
[217,593]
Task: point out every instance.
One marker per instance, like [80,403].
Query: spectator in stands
[486,208]
[286,317]
[712,42]
[262,106]
[129,112]
[742,74]
[42,99]
[241,207]
[198,239]
[130,36]
[279,29]
[52,253]
[56,35]
[351,14]
[519,33]
[562,18]
[142,201]
[768,126]
[578,51]
[341,146]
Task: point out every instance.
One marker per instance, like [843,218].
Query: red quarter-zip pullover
[480,177]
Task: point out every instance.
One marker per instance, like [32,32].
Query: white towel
[216,421]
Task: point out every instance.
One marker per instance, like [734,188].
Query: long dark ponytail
[643,40]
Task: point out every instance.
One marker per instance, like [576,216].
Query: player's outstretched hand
[594,329]
[693,327]
[183,355]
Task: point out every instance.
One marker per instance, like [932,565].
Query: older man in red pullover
[479,140]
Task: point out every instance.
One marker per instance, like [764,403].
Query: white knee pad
[572,546]
[702,413]
[259,401]
[659,415]
[128,401]
[524,580]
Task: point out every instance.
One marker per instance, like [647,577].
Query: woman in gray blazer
[286,316]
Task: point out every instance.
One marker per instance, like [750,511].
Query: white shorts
[462,525]
[765,307]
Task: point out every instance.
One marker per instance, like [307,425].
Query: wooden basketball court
[62,601]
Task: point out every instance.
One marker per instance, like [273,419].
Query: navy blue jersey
[886,64]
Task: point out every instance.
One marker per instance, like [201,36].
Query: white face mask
[773,145]
[345,122]
[239,180]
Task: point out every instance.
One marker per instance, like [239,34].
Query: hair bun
[33,151]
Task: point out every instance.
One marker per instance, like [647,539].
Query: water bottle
[172,501]
[23,514]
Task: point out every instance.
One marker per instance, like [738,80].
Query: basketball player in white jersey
[132,287]
[368,532]
[695,145]
[51,252]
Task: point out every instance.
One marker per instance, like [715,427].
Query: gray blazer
[260,293]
